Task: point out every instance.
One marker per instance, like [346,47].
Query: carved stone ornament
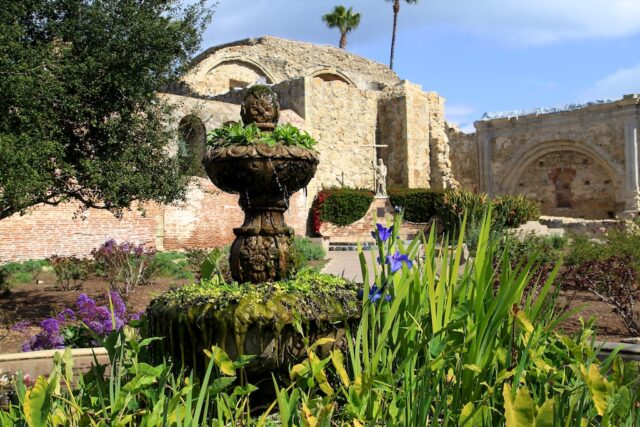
[260,106]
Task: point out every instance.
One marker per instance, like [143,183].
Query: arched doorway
[568,183]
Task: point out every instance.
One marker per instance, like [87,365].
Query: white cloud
[511,22]
[621,82]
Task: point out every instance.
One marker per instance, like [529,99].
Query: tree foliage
[344,20]
[80,118]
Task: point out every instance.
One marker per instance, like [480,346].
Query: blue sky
[481,55]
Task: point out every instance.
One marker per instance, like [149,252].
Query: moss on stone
[248,318]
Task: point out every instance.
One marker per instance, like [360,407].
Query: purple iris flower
[382,232]
[375,294]
[395,261]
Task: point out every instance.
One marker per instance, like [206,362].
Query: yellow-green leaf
[598,387]
[338,362]
[222,361]
[36,403]
[473,367]
[544,417]
[518,411]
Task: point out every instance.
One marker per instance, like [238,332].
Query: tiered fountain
[264,177]
[256,314]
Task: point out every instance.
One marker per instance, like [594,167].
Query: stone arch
[567,178]
[192,138]
[331,75]
[231,73]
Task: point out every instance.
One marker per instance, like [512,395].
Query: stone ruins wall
[441,174]
[342,118]
[277,60]
[581,162]
[464,157]
[392,132]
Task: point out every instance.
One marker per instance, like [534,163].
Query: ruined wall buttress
[441,174]
[463,153]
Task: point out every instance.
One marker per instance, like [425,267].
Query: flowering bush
[79,327]
[125,265]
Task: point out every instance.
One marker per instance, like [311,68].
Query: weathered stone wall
[581,162]
[392,132]
[441,174]
[464,157]
[277,60]
[569,184]
[342,118]
[59,230]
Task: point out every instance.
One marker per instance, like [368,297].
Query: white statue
[381,178]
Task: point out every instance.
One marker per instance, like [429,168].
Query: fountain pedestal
[264,176]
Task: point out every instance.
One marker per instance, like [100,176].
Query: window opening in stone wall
[192,137]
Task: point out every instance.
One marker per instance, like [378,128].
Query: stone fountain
[261,312]
[265,177]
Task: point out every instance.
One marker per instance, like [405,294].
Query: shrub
[171,264]
[341,206]
[125,265]
[514,210]
[195,258]
[70,271]
[22,272]
[309,250]
[621,243]
[614,281]
[421,205]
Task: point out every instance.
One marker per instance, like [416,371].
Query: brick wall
[205,220]
[49,230]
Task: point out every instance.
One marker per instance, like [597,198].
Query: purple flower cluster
[100,319]
[111,246]
[49,337]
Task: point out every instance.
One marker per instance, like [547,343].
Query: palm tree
[344,19]
[396,9]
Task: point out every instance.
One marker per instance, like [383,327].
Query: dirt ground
[35,302]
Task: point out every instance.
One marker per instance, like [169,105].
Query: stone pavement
[347,264]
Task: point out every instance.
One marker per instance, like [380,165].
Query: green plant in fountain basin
[239,134]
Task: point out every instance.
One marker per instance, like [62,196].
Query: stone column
[632,174]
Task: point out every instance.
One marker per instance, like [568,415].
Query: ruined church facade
[575,161]
[359,111]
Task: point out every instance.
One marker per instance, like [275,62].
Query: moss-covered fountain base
[252,319]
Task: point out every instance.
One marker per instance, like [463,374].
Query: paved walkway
[347,264]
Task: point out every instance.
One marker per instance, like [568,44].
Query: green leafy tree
[343,19]
[80,118]
[396,10]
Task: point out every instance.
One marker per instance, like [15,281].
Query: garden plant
[436,345]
